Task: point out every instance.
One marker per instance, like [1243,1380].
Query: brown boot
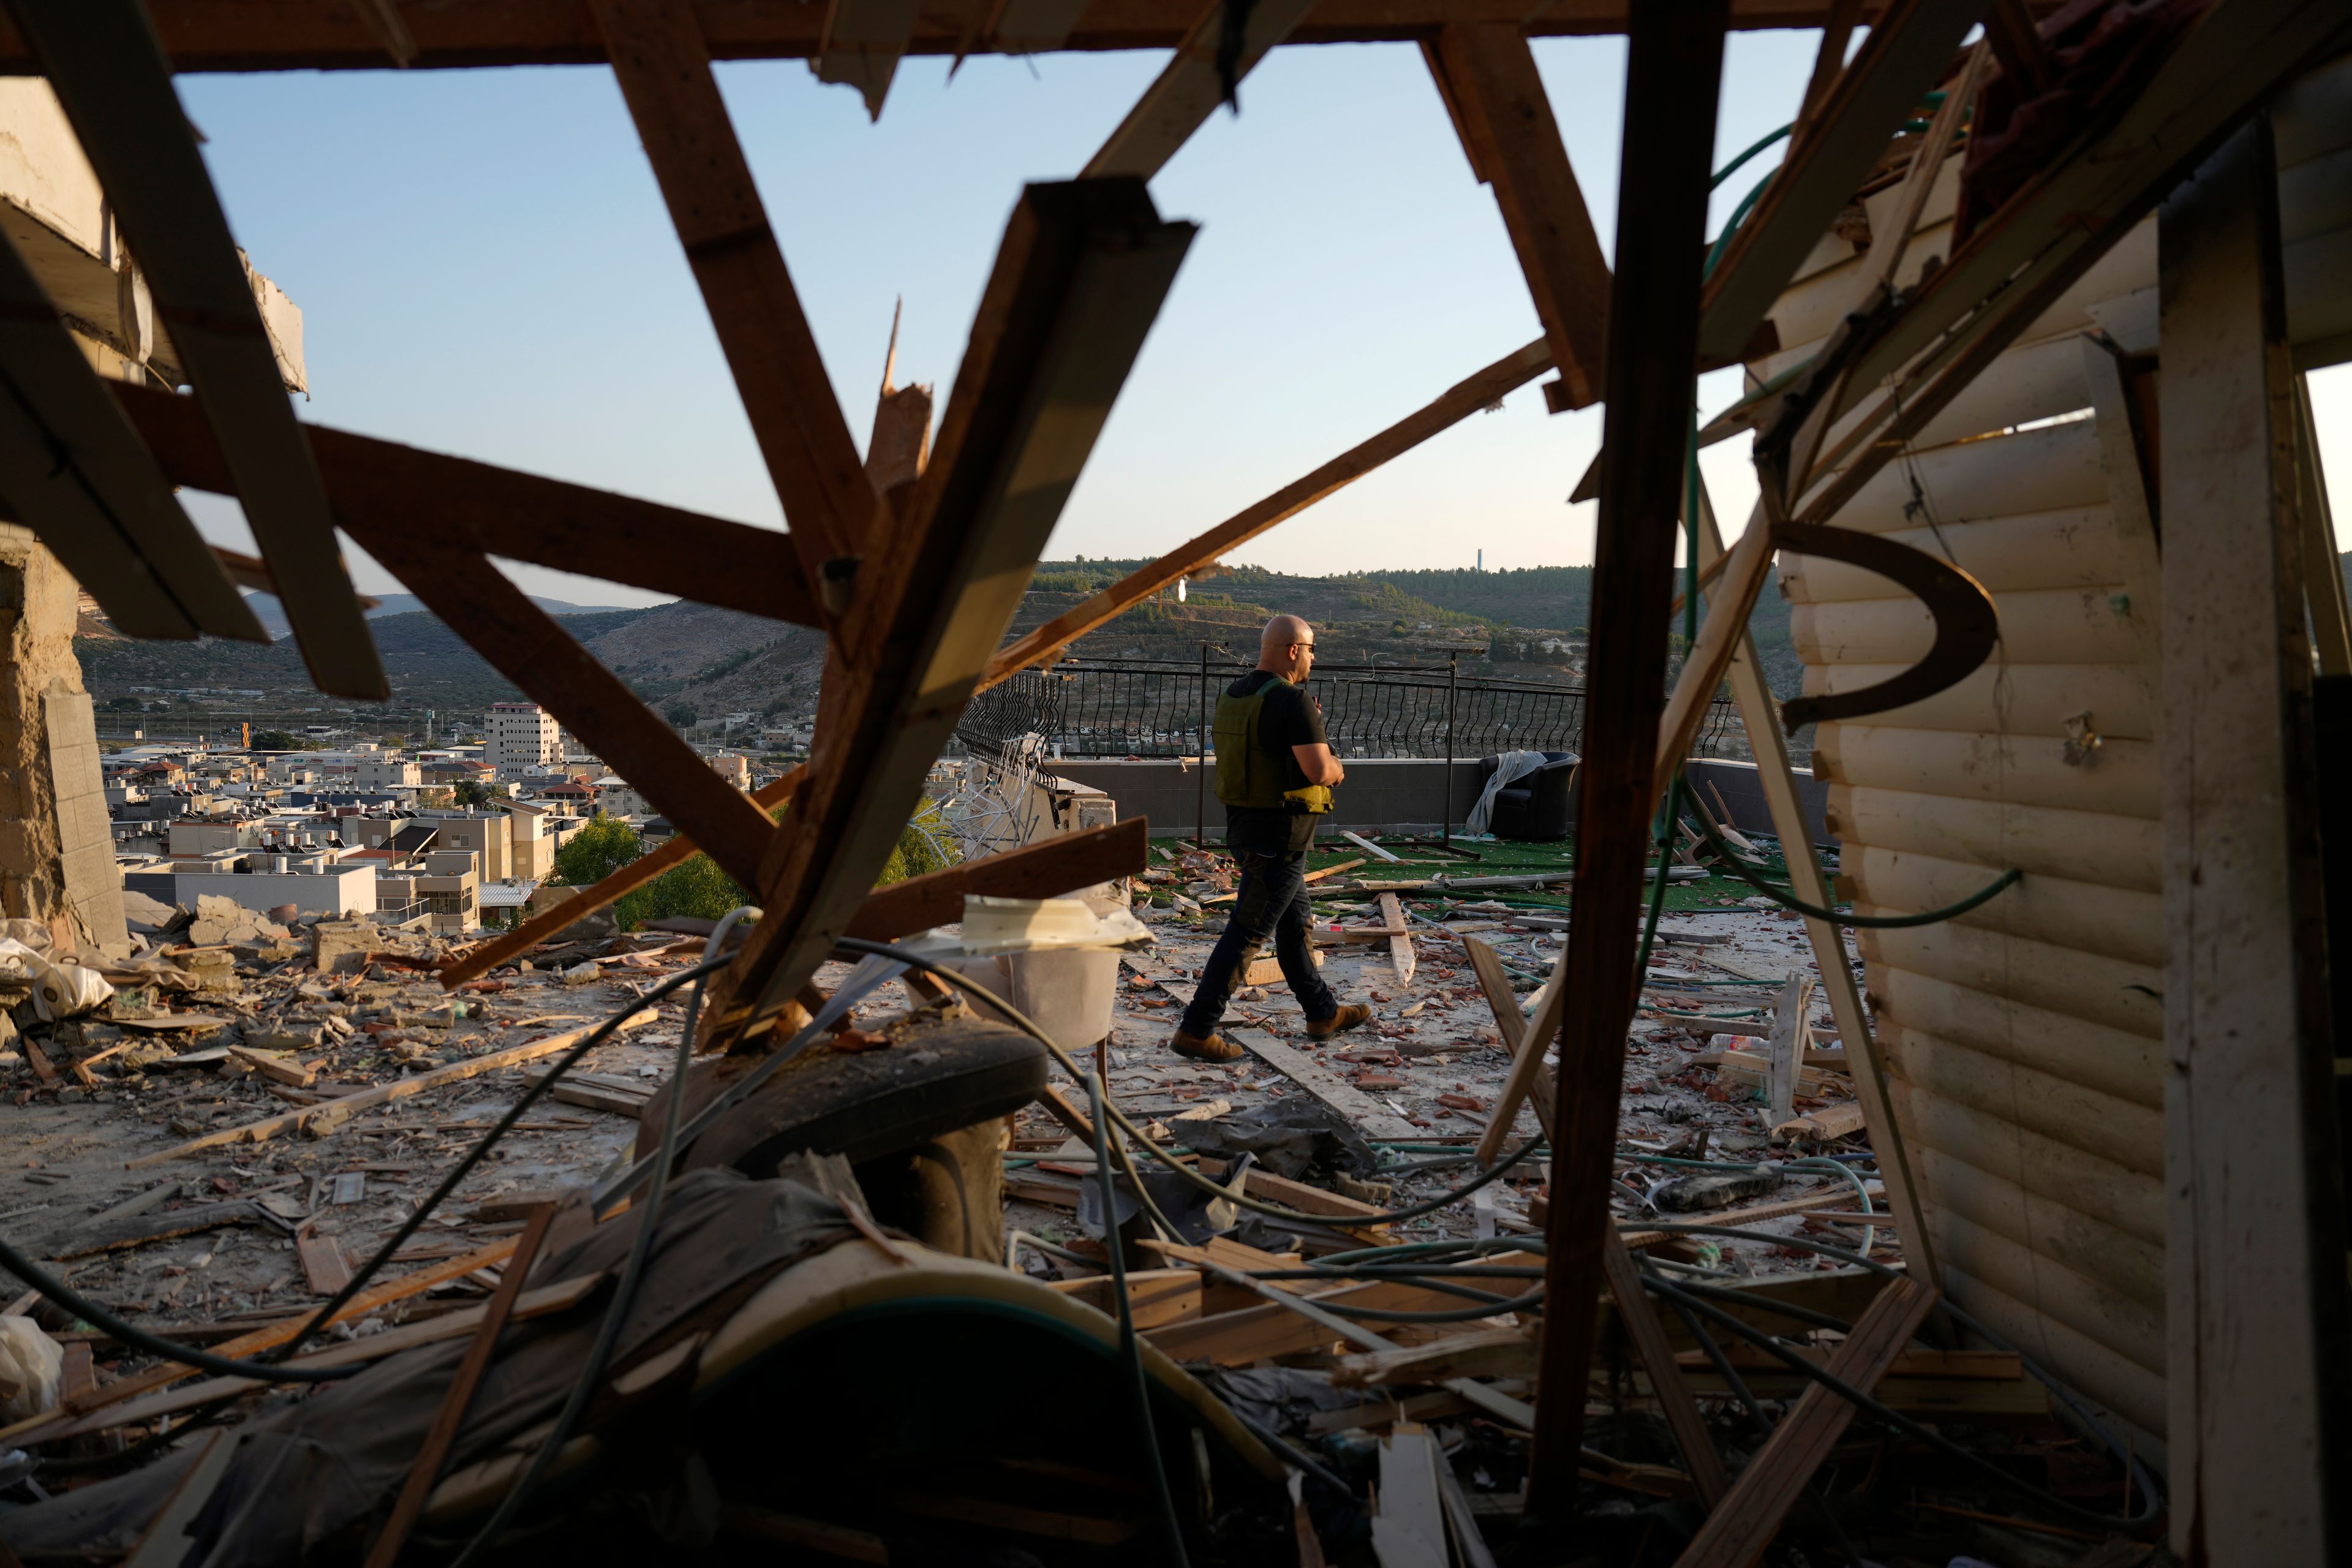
[1211,1048]
[1350,1015]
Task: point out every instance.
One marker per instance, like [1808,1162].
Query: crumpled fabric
[61,989]
[1509,768]
[32,1368]
[1289,1137]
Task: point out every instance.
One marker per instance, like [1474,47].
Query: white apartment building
[524,737]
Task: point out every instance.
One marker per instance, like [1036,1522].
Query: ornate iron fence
[1147,708]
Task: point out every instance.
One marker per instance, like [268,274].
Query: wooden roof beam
[1674,77]
[1181,98]
[1830,153]
[396,492]
[306,34]
[73,471]
[663,69]
[116,87]
[1079,279]
[1486,74]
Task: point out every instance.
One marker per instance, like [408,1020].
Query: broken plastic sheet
[1290,1137]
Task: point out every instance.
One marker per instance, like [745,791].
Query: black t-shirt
[1289,717]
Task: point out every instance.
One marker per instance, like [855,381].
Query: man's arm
[1319,764]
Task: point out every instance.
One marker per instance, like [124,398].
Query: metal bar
[1200,740]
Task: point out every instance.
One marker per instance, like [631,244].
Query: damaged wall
[2025,1038]
[56,849]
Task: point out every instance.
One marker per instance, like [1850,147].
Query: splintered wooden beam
[111,77]
[1045,869]
[74,472]
[1743,1524]
[1487,76]
[1514,1026]
[2028,252]
[1831,152]
[664,68]
[863,40]
[1701,1459]
[1181,98]
[1078,281]
[1482,389]
[1674,70]
[389,489]
[529,647]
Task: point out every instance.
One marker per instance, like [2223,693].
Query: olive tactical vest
[1250,773]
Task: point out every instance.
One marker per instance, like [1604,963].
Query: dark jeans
[1271,902]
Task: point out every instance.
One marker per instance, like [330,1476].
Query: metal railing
[1147,707]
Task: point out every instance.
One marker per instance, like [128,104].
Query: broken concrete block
[341,947]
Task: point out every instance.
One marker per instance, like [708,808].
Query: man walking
[1275,773]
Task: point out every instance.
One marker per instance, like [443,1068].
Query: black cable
[1297,1456]
[56,1289]
[1459,1315]
[1069,1065]
[1130,1349]
[624,1292]
[1787,898]
[481,1149]
[1806,1367]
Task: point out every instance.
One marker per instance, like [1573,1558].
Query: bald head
[1287,647]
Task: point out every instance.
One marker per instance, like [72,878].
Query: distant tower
[1482,561]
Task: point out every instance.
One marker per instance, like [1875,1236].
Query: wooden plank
[318,1119]
[663,66]
[1674,71]
[1739,1527]
[1189,88]
[863,40]
[1254,1333]
[1637,1238]
[1759,715]
[1045,869]
[1078,281]
[74,473]
[1369,847]
[188,1221]
[1527,1069]
[325,1267]
[1490,1352]
[448,1420]
[396,491]
[1512,1025]
[1409,1529]
[1482,390]
[1701,1459]
[300,34]
[1909,45]
[164,1543]
[1400,939]
[115,84]
[2331,611]
[1368,1116]
[839,1541]
[1307,1198]
[2255,1228]
[1487,75]
[1155,1296]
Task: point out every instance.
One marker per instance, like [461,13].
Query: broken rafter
[1078,281]
[1482,390]
[1675,69]
[663,68]
[1830,154]
[1487,76]
[74,472]
[115,84]
[1181,98]
[388,489]
[303,35]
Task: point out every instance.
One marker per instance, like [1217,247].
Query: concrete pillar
[56,849]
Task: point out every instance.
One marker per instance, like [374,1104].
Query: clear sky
[484,268]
